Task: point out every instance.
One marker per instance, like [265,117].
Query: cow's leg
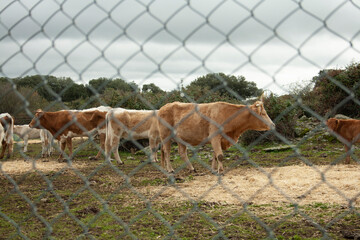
[115,148]
[166,160]
[184,157]
[43,148]
[69,144]
[46,146]
[102,137]
[26,138]
[107,147]
[4,145]
[102,145]
[112,145]
[216,144]
[153,144]
[162,156]
[347,159]
[213,162]
[62,149]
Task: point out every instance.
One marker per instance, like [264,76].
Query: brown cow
[347,131]
[130,124]
[6,134]
[218,123]
[66,124]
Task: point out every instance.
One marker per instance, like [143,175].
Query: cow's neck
[45,119]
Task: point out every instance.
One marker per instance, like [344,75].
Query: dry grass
[291,184]
[301,184]
[18,167]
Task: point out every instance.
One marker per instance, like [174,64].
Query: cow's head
[262,121]
[332,124]
[35,122]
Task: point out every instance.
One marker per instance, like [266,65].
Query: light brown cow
[132,125]
[6,134]
[218,123]
[347,131]
[66,124]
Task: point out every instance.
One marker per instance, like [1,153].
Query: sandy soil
[339,184]
[21,166]
[292,184]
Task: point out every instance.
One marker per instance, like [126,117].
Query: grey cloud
[163,41]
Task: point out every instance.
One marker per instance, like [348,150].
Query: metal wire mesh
[89,39]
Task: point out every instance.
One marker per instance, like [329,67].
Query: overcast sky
[273,43]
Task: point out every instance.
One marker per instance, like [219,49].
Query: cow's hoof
[92,158]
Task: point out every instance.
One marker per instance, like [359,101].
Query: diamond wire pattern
[164,26]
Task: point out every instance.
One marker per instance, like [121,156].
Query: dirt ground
[300,184]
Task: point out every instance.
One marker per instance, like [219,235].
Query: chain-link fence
[290,182]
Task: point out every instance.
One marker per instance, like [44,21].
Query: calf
[6,134]
[129,124]
[218,123]
[26,133]
[66,124]
[347,131]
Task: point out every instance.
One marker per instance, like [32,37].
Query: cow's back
[195,122]
[25,130]
[349,128]
[138,122]
[190,121]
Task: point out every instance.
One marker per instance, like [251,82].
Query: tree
[227,85]
[19,102]
[151,87]
[101,84]
[337,91]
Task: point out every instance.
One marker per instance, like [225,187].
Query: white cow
[26,133]
[132,125]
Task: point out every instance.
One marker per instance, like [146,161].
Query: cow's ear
[39,113]
[262,97]
[258,107]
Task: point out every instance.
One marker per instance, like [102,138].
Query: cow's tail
[108,133]
[10,131]
[2,133]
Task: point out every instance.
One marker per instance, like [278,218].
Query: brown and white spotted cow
[347,131]
[132,125]
[66,124]
[6,134]
[218,123]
